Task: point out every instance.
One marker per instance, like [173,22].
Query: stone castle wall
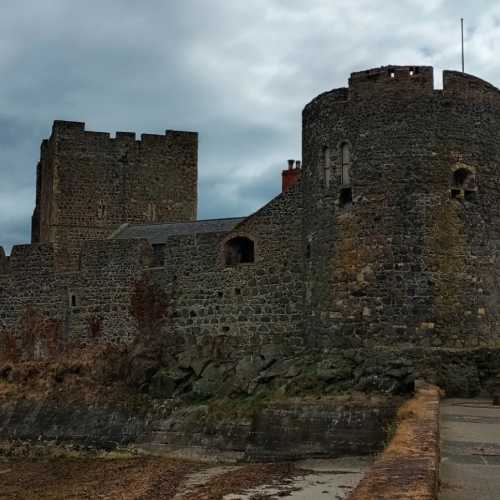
[89,183]
[250,304]
[39,301]
[234,308]
[376,246]
[410,260]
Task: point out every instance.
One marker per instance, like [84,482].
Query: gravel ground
[131,478]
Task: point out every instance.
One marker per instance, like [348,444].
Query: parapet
[30,260]
[456,83]
[76,130]
[402,80]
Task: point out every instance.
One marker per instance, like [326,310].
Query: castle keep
[387,234]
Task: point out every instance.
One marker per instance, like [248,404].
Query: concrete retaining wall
[409,466]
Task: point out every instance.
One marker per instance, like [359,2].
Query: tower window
[327,165]
[345,197]
[463,185]
[345,163]
[239,250]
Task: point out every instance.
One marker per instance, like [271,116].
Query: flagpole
[463,59]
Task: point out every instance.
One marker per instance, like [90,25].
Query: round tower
[402,217]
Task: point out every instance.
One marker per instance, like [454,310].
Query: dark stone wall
[404,263]
[233,309]
[244,306]
[88,183]
[89,304]
[283,431]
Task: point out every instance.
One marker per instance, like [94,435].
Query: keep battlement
[68,130]
[89,183]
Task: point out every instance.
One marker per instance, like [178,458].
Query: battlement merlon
[76,130]
[405,82]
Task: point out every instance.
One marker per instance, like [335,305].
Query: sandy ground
[161,478]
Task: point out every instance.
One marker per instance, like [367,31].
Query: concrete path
[470,450]
[329,479]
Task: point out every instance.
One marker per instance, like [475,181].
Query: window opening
[463,185]
[327,163]
[345,161]
[239,250]
[101,210]
[345,197]
[158,255]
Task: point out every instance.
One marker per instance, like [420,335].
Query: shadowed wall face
[406,250]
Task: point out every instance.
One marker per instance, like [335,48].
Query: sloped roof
[159,233]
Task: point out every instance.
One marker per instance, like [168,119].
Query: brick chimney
[291,176]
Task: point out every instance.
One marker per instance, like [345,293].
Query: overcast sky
[237,71]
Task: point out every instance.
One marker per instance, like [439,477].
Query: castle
[387,234]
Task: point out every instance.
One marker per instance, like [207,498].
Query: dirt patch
[132,478]
[137,478]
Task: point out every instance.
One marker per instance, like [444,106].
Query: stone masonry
[88,183]
[388,233]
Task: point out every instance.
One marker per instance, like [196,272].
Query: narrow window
[101,210]
[327,165]
[150,213]
[239,250]
[345,197]
[345,163]
[72,300]
[463,185]
[158,255]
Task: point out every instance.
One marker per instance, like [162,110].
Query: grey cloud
[237,72]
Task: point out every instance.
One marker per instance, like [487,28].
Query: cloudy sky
[237,71]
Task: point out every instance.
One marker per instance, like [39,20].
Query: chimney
[291,176]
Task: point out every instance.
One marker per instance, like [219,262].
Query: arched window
[345,163]
[239,250]
[463,184]
[327,165]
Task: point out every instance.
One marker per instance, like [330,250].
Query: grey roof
[159,233]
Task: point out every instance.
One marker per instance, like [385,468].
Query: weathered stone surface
[409,466]
[404,260]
